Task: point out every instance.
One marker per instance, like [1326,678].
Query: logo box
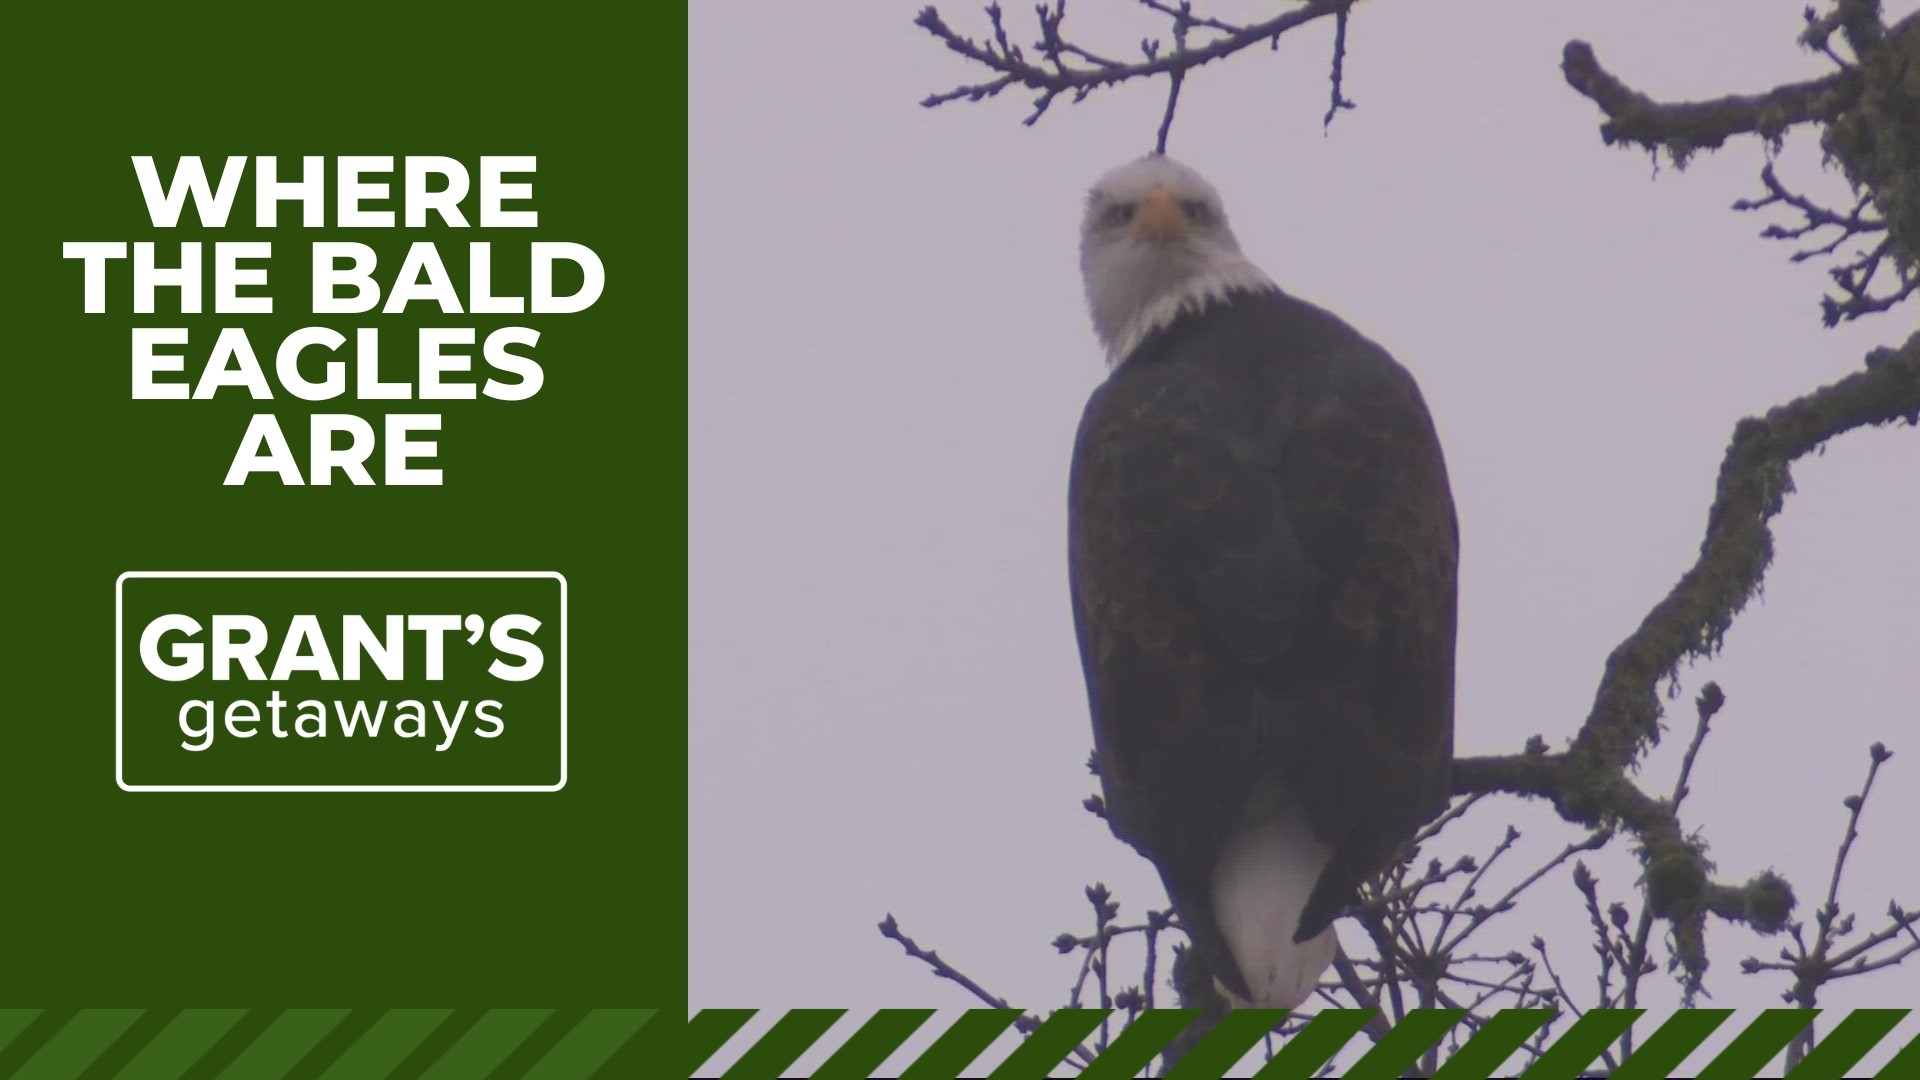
[122,658]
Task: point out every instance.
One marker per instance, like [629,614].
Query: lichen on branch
[1590,782]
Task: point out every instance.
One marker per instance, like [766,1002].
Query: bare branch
[1706,706]
[1338,73]
[1056,66]
[1813,968]
[1854,278]
[1376,1028]
[890,929]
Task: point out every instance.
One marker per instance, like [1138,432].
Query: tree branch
[1682,127]
[1589,782]
[1754,481]
[1026,1024]
[1865,110]
[1050,69]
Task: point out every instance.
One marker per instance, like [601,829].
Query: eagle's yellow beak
[1160,217]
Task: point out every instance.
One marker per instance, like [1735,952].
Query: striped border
[604,1044]
[323,1044]
[1846,1041]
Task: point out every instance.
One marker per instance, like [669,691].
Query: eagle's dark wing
[1263,556]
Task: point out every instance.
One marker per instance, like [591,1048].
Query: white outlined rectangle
[119,675]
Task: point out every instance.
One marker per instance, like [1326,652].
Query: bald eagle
[1263,554]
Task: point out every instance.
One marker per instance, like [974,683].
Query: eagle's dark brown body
[1264,555]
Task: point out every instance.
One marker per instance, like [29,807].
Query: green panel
[458,900]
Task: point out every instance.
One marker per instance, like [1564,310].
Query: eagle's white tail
[1260,887]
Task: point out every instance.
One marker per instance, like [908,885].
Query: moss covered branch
[1682,127]
[1591,783]
[1865,109]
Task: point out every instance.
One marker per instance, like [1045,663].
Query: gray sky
[890,351]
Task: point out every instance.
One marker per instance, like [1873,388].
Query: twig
[1054,74]
[890,929]
[1377,1026]
[1593,842]
[1709,703]
[1337,73]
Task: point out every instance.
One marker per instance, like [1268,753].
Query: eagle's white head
[1155,243]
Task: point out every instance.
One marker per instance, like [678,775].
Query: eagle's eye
[1116,214]
[1198,212]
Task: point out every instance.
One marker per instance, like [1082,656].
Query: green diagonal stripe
[653,1050]
[336,1042]
[131,1041]
[871,1046]
[542,1044]
[1309,1048]
[12,1023]
[486,1044]
[78,1044]
[1228,1042]
[281,1046]
[386,1043]
[229,1045]
[1749,1052]
[1493,1044]
[959,1045]
[783,1044]
[538,1044]
[1137,1046]
[1847,1043]
[1905,1063]
[444,1034]
[41,1026]
[1404,1044]
[1670,1043]
[588,1046]
[1047,1047]
[1570,1054]
[707,1032]
[183,1042]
